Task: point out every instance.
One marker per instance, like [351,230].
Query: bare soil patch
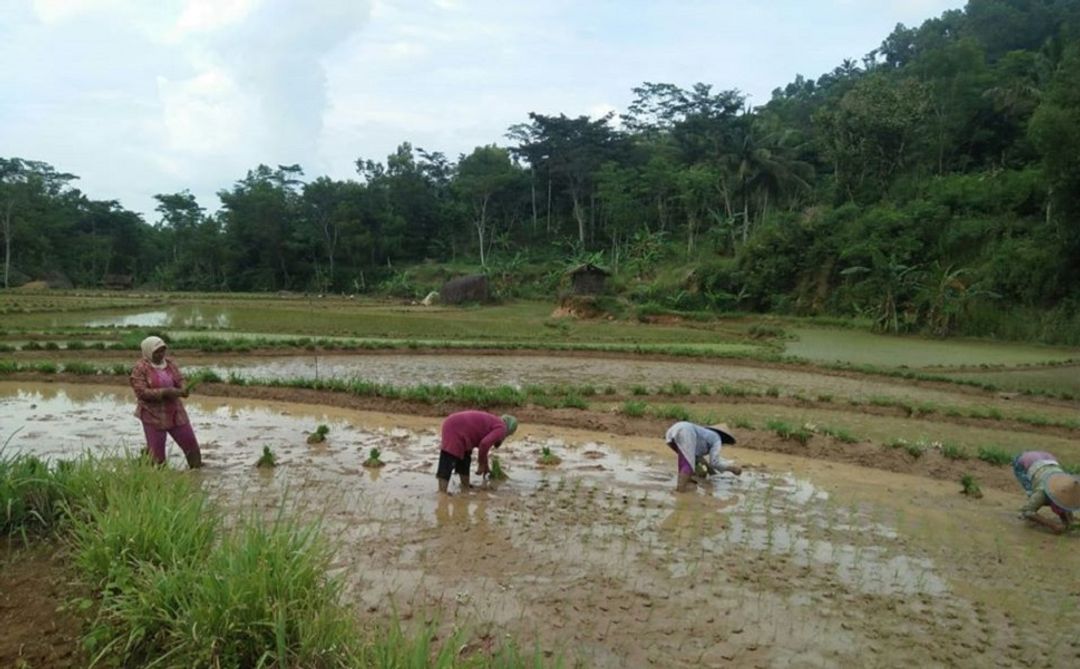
[37,630]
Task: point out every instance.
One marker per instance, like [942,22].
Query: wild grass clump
[634,408]
[35,493]
[994,455]
[172,585]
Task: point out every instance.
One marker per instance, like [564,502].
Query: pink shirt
[466,430]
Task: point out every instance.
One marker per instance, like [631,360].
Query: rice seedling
[639,390]
[915,449]
[772,391]
[970,487]
[497,472]
[547,458]
[374,460]
[789,433]
[673,412]
[825,398]
[840,434]
[994,455]
[45,368]
[634,409]
[319,435]
[675,389]
[267,460]
[120,369]
[80,368]
[732,391]
[954,452]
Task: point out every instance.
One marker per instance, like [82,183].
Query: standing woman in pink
[158,386]
[461,433]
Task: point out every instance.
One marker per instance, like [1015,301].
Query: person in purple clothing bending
[698,443]
[461,433]
[1047,484]
[158,386]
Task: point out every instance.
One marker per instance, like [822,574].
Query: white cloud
[146,96]
[207,15]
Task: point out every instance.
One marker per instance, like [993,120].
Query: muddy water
[797,563]
[621,373]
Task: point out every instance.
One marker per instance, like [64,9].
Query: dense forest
[933,186]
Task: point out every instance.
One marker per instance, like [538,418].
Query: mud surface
[36,630]
[798,563]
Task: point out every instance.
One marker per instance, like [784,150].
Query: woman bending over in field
[694,443]
[461,433]
[1047,484]
[158,386]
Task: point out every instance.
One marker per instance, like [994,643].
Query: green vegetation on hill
[933,186]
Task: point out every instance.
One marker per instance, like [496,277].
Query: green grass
[788,433]
[672,412]
[169,583]
[634,409]
[954,452]
[839,434]
[995,455]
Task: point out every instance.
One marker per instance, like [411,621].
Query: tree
[571,150]
[481,176]
[22,183]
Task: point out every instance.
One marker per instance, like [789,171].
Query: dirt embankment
[930,464]
[37,630]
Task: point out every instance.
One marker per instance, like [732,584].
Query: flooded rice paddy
[798,563]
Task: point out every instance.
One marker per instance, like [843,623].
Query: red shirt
[466,430]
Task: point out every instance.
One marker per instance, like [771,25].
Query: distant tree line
[934,185]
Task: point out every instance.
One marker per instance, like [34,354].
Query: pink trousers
[183,435]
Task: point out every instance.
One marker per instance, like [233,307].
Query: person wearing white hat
[159,387]
[698,443]
[1047,484]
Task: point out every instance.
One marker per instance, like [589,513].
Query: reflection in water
[172,317]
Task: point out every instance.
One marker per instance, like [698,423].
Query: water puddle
[186,316]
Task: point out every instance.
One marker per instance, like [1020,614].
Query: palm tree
[761,169]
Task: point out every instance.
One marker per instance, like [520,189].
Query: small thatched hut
[472,288]
[118,281]
[587,279]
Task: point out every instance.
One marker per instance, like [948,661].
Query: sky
[139,97]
